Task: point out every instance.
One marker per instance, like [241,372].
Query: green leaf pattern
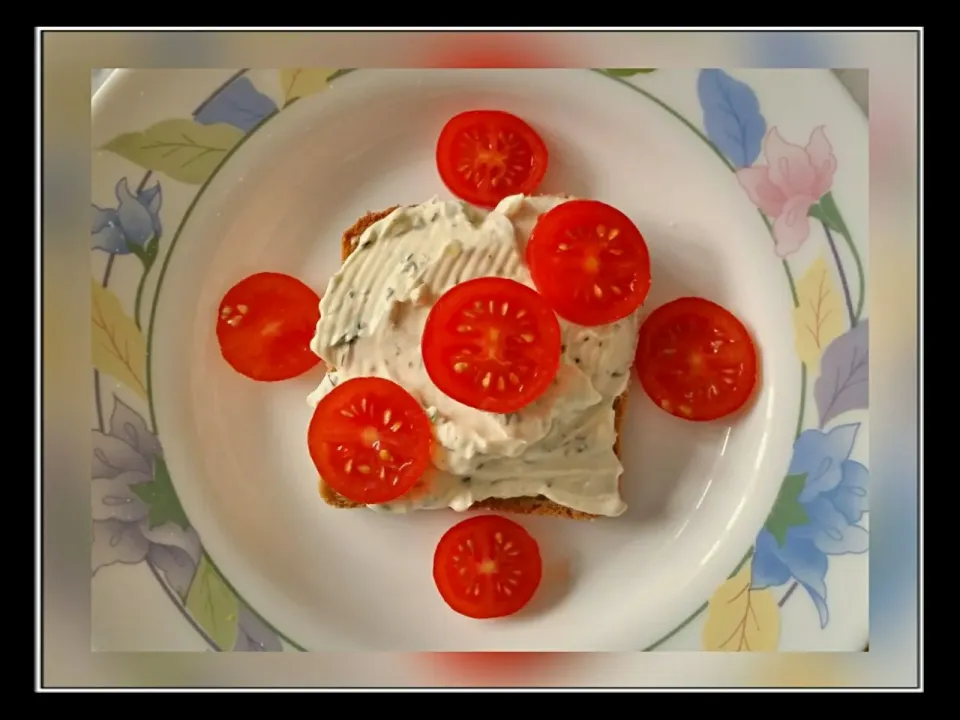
[181,149]
[213,604]
[787,511]
[827,212]
[628,72]
[162,499]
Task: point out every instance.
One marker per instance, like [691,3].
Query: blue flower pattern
[134,221]
[834,497]
[731,116]
[239,104]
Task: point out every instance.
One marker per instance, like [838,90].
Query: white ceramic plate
[741,535]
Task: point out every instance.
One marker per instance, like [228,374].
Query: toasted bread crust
[523,506]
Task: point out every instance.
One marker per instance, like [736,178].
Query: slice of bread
[525,505]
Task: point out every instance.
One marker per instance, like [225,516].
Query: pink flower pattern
[793,180]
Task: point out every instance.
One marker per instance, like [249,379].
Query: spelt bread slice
[523,506]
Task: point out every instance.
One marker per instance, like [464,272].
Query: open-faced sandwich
[520,405]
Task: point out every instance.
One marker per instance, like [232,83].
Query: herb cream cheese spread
[371,320]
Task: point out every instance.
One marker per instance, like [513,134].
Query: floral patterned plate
[751,188]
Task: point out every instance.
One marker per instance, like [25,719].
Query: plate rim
[113,84]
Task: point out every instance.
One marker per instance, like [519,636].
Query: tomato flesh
[264,326]
[487,567]
[492,344]
[696,360]
[370,440]
[589,261]
[485,155]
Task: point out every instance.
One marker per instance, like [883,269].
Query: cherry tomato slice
[487,567]
[696,360]
[485,155]
[589,261]
[264,326]
[370,440]
[491,344]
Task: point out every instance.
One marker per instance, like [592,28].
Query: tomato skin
[487,566]
[696,360]
[370,440]
[589,261]
[265,324]
[484,156]
[492,344]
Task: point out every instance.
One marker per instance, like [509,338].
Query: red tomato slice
[487,567]
[485,155]
[370,440]
[264,326]
[589,261]
[492,344]
[696,360]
